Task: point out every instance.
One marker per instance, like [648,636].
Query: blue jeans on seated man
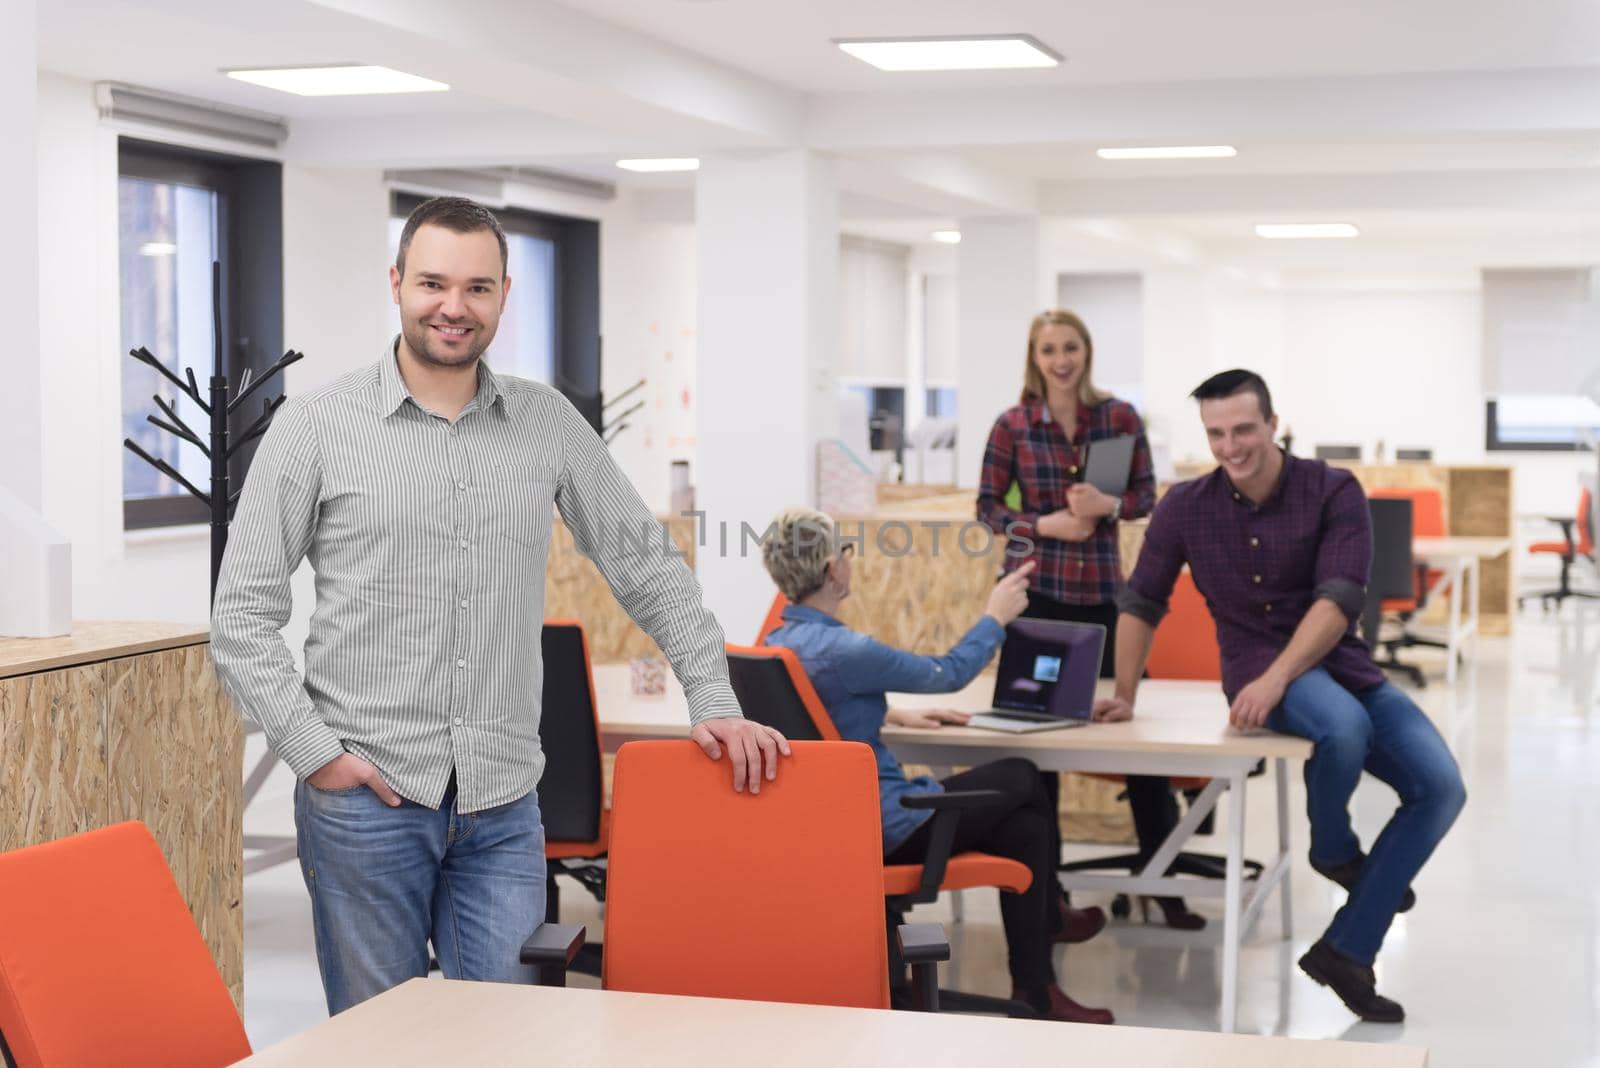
[384,881]
[1380,730]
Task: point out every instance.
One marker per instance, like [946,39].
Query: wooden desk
[1181,730]
[430,1022]
[1461,561]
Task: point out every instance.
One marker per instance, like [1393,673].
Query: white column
[21,417]
[1003,286]
[767,259]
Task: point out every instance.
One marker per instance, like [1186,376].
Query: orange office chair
[577,826]
[101,962]
[773,689]
[1569,549]
[774,618]
[1427,521]
[775,897]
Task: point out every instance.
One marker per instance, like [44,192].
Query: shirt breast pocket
[521,503]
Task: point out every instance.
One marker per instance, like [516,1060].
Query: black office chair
[576,824]
[1391,586]
[772,689]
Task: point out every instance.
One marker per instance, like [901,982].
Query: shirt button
[461,663]
[1235,496]
[1269,608]
[463,602]
[458,721]
[1254,542]
[462,486]
[1072,470]
[463,543]
[1256,579]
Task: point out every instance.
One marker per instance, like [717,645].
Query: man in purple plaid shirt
[1281,549]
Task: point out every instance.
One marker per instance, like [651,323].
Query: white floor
[1499,964]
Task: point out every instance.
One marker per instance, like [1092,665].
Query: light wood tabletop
[430,1022]
[1171,717]
[1482,548]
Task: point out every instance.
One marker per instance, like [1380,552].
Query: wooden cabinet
[124,721]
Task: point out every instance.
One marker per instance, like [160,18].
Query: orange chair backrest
[1185,645]
[1427,508]
[101,962]
[770,897]
[774,618]
[1585,526]
[773,688]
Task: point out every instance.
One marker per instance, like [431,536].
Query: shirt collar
[1277,487]
[800,613]
[392,390]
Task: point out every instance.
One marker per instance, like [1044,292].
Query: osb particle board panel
[175,761]
[574,589]
[52,755]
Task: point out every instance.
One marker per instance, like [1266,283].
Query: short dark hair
[1227,383]
[457,214]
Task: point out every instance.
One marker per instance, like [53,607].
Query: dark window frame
[1492,442]
[250,249]
[577,281]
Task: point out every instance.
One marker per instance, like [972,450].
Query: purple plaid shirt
[1260,567]
[1028,447]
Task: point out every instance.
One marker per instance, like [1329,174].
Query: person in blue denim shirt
[851,673]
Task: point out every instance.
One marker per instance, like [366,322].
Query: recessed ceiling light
[1001,52]
[947,237]
[158,248]
[1286,230]
[656,166]
[1174,152]
[340,79]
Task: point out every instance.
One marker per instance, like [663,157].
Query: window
[1541,334]
[177,212]
[1541,423]
[941,402]
[550,331]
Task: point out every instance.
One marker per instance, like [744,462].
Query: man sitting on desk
[1281,548]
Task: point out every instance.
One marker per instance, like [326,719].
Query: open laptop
[1047,675]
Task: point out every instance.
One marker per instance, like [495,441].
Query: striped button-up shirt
[1028,447]
[429,540]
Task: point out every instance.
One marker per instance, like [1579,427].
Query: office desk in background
[1461,560]
[1181,730]
[426,1023]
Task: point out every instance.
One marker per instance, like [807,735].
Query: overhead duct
[153,107]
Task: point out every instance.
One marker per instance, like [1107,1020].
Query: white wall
[21,426]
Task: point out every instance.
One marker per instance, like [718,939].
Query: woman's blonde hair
[797,551]
[1033,382]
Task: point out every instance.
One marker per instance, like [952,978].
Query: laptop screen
[1049,666]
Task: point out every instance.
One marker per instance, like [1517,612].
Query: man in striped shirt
[421,489]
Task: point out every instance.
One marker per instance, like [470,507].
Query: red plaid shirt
[1027,446]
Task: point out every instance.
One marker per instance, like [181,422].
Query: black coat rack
[216,447]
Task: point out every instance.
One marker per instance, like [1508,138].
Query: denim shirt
[851,672]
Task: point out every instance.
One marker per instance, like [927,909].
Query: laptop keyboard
[1026,717]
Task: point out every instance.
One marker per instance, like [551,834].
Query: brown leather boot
[1078,925]
[1055,1005]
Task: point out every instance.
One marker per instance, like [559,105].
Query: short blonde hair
[799,546]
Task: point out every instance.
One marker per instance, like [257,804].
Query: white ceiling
[1126,41]
[1431,121]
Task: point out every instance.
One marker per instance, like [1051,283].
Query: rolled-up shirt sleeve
[1344,553]
[1161,558]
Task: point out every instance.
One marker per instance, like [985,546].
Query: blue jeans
[384,881]
[1380,730]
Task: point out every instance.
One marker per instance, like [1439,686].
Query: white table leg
[1232,895]
[1475,575]
[1458,593]
[1285,891]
